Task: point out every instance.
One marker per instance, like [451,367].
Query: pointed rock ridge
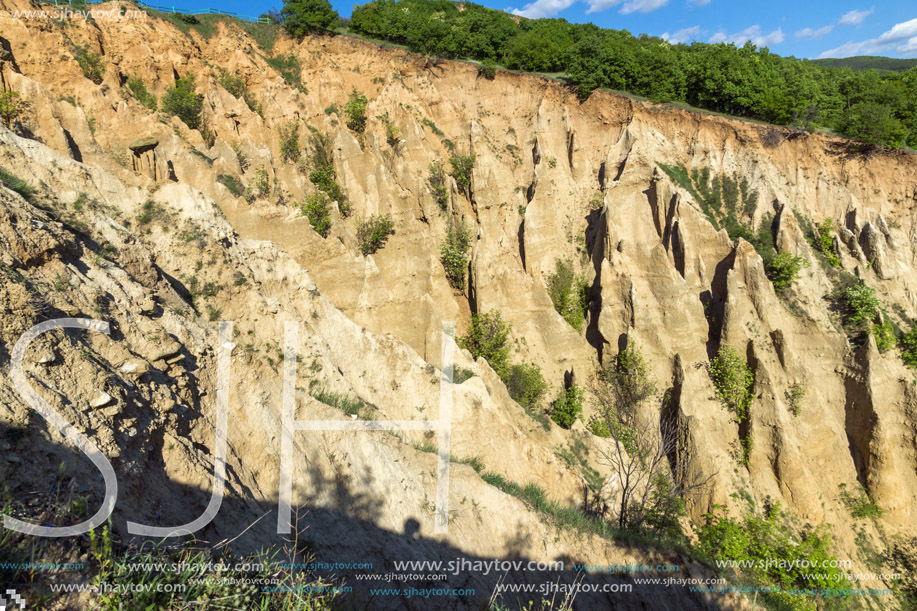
[788,235]
[873,243]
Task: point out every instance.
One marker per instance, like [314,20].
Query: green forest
[875,107]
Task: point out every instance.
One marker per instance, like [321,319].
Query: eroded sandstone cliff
[155,241]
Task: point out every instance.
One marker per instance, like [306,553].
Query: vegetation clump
[908,346]
[14,183]
[454,254]
[232,183]
[236,87]
[824,243]
[567,407]
[487,338]
[372,234]
[90,63]
[289,141]
[139,92]
[783,269]
[301,17]
[462,166]
[859,503]
[183,101]
[317,208]
[289,68]
[10,107]
[355,110]
[569,294]
[771,552]
[857,305]
[323,175]
[437,182]
[526,385]
[733,380]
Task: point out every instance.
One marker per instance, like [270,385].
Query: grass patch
[14,183]
[290,68]
[351,406]
[232,183]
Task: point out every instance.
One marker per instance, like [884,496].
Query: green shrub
[289,141]
[733,380]
[569,294]
[454,254]
[236,86]
[90,63]
[438,185]
[795,395]
[232,83]
[598,426]
[317,208]
[859,306]
[462,167]
[355,109]
[323,175]
[626,383]
[488,69]
[525,384]
[783,269]
[884,333]
[908,346]
[487,338]
[10,107]
[824,242]
[860,504]
[14,183]
[139,92]
[567,407]
[769,552]
[372,234]
[184,102]
[301,17]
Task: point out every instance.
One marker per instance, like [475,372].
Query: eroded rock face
[160,247]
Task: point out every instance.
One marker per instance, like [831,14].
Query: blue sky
[814,28]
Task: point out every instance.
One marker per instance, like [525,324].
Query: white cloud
[642,6]
[699,2]
[596,6]
[629,6]
[899,32]
[753,34]
[542,8]
[810,33]
[855,17]
[718,37]
[851,18]
[683,35]
[902,37]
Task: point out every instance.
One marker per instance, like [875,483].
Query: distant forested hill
[867,105]
[869,62]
